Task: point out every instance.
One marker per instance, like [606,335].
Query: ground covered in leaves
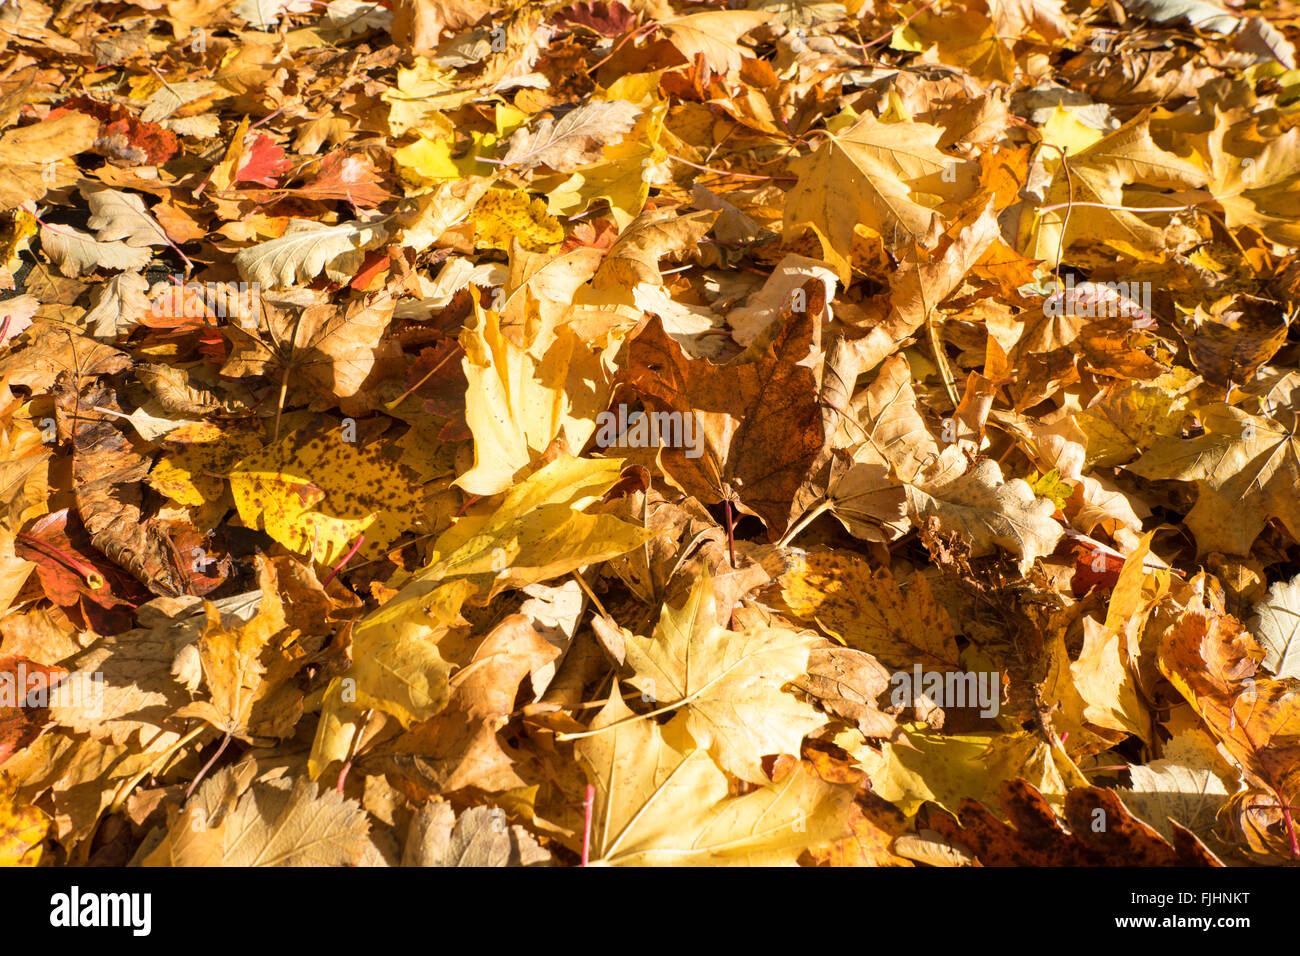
[656,431]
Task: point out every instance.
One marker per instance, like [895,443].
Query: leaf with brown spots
[315,493]
[867,609]
[1102,832]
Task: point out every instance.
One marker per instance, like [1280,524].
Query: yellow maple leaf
[315,491]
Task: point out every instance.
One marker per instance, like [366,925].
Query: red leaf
[607,19]
[21,723]
[1094,569]
[377,262]
[59,545]
[265,163]
[352,179]
[122,135]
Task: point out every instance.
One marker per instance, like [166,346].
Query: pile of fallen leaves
[649,432]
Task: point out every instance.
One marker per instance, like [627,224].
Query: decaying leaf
[1102,833]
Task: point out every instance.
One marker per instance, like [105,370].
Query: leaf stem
[665,709]
[356,546]
[588,803]
[124,789]
[731,539]
[352,750]
[94,580]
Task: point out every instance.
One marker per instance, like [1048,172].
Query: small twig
[124,789]
[1111,206]
[406,394]
[666,709]
[588,805]
[225,742]
[941,358]
[591,595]
[643,28]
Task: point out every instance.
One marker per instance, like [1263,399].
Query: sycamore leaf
[1246,469]
[1211,659]
[713,35]
[316,492]
[503,217]
[246,670]
[888,445]
[480,836]
[1098,175]
[922,284]
[1257,190]
[1045,17]
[842,595]
[1103,680]
[30,157]
[623,173]
[1036,837]
[193,470]
[662,801]
[1277,626]
[459,747]
[1184,786]
[861,176]
[748,321]
[1128,418]
[522,398]
[277,823]
[80,775]
[845,683]
[756,420]
[730,683]
[538,531]
[22,827]
[991,513]
[922,765]
[634,258]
